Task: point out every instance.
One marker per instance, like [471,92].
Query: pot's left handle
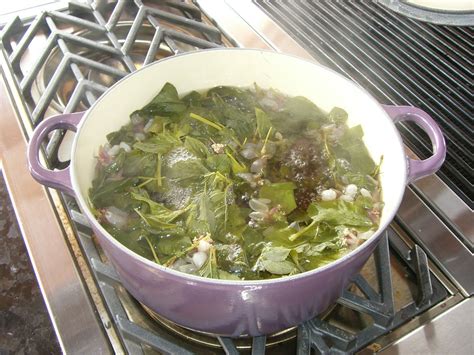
[420,168]
[58,179]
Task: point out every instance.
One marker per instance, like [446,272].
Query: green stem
[328,151]
[241,168]
[153,251]
[217,126]
[377,168]
[296,235]
[146,182]
[158,171]
[263,151]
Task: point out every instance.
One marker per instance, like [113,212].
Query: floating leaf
[338,213]
[166,103]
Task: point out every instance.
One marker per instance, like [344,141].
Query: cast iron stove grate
[399,61]
[107,42]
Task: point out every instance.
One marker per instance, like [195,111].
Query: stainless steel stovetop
[62,59]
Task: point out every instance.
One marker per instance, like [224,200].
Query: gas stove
[415,292]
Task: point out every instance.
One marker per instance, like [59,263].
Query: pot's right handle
[420,168]
[58,179]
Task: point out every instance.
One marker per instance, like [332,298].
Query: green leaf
[237,167]
[315,249]
[192,98]
[166,103]
[242,99]
[273,260]
[161,143]
[196,147]
[116,165]
[159,124]
[171,245]
[275,253]
[130,239]
[235,219]
[220,163]
[339,213]
[206,121]
[353,148]
[155,222]
[206,212]
[263,123]
[338,115]
[301,110]
[280,194]
[185,171]
[279,267]
[224,275]
[159,211]
[138,163]
[209,269]
[103,195]
[232,258]
[124,134]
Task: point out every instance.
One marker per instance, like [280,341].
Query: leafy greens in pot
[237,183]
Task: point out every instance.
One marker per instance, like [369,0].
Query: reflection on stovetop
[61,61]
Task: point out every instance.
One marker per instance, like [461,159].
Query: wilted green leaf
[280,193]
[339,213]
[196,147]
[263,123]
[166,103]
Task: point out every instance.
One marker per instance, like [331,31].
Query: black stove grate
[399,61]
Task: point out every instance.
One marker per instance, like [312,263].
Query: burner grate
[76,53]
[399,61]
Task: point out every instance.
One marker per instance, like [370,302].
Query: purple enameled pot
[222,307]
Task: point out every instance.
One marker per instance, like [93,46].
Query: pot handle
[421,168]
[58,179]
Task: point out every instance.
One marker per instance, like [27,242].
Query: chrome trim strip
[268,29]
[250,27]
[449,205]
[229,22]
[439,242]
[448,333]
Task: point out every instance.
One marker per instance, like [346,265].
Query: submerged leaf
[158,210]
[161,143]
[281,194]
[196,147]
[273,260]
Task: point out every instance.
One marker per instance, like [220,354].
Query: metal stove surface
[61,61]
